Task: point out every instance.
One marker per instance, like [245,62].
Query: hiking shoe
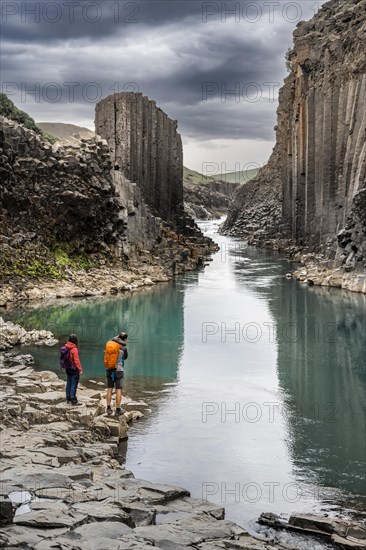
[68,401]
[76,404]
[118,412]
[109,410]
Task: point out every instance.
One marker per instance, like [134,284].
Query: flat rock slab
[316,523]
[102,511]
[348,543]
[189,531]
[22,373]
[192,506]
[34,481]
[63,455]
[57,517]
[72,542]
[77,472]
[149,493]
[246,542]
[20,536]
[50,397]
[40,458]
[74,494]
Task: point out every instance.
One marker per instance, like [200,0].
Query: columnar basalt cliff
[70,209]
[320,154]
[147,148]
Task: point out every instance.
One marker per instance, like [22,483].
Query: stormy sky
[214,66]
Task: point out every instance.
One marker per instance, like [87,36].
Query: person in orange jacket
[73,373]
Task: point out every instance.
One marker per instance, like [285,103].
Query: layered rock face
[56,194]
[322,123]
[147,148]
[321,142]
[209,200]
[255,211]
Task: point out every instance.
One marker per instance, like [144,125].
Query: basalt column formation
[316,177]
[147,149]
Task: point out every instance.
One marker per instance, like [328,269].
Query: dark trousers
[72,385]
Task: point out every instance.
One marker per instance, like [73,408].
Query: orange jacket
[74,356]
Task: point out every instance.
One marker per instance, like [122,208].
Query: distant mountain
[67,133]
[191,176]
[239,177]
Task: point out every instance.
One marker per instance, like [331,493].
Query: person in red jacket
[73,374]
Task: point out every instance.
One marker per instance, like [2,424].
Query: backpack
[111,353]
[65,359]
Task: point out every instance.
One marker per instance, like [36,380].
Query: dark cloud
[217,72]
[42,21]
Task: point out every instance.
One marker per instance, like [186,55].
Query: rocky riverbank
[320,273]
[177,254]
[14,335]
[99,281]
[62,485]
[313,269]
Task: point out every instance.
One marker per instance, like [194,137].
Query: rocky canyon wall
[208,200]
[317,174]
[70,210]
[146,148]
[322,123]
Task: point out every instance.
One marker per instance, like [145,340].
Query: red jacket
[74,356]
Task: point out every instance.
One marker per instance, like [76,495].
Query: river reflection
[321,369]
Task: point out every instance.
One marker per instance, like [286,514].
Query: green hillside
[191,176]
[9,110]
[239,177]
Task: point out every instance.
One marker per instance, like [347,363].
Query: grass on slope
[67,133]
[191,176]
[239,177]
[9,110]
